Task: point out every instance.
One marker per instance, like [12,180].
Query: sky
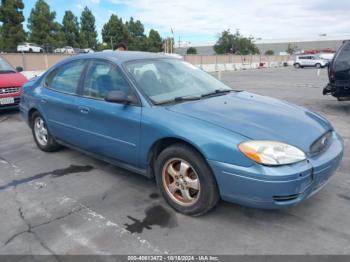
[201,21]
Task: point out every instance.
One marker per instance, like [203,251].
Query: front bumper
[275,187]
[11,106]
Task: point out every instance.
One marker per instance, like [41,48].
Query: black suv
[339,74]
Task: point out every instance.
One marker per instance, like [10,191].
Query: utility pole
[171,45]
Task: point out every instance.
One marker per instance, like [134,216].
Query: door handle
[43,100]
[84,110]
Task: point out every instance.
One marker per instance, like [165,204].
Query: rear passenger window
[342,62]
[102,78]
[66,78]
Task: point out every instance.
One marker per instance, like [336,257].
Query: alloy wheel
[181,182]
[40,131]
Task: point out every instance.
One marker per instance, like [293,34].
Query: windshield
[5,67]
[166,80]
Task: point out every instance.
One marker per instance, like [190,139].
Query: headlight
[271,153]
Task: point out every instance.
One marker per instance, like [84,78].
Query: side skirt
[108,160]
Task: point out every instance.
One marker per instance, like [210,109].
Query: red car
[10,84]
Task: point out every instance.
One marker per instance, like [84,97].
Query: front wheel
[185,180]
[41,134]
[297,65]
[318,66]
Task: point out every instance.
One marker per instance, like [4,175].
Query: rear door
[59,101]
[108,129]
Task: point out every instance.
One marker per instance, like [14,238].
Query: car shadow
[7,114]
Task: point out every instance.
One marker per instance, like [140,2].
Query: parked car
[302,61]
[65,50]
[339,74]
[162,117]
[57,50]
[10,84]
[88,50]
[327,57]
[29,48]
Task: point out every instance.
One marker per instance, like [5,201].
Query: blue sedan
[162,117]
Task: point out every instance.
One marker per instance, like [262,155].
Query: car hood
[12,80]
[259,118]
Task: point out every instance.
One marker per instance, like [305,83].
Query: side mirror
[120,97]
[19,69]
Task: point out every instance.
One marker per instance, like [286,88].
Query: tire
[318,65]
[30,50]
[197,175]
[42,137]
[297,65]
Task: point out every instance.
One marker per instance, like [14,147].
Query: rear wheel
[185,180]
[41,134]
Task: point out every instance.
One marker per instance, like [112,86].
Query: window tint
[342,62]
[66,78]
[102,78]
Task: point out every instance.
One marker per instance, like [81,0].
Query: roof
[117,57]
[124,56]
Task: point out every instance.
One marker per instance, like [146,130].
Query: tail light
[331,71]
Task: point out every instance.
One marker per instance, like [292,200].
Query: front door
[108,129]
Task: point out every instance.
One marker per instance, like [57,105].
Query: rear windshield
[342,61]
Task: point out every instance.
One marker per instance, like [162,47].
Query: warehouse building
[278,46]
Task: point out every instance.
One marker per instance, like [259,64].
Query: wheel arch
[30,115]
[161,144]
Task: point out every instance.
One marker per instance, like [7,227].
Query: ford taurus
[162,117]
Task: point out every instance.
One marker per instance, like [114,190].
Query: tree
[225,43]
[11,16]
[191,51]
[137,39]
[70,29]
[114,31]
[269,52]
[235,43]
[88,32]
[154,41]
[42,25]
[291,49]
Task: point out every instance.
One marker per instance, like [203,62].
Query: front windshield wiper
[186,98]
[179,99]
[218,92]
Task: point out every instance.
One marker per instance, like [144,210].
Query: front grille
[9,90]
[321,143]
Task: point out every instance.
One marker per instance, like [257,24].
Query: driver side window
[102,78]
